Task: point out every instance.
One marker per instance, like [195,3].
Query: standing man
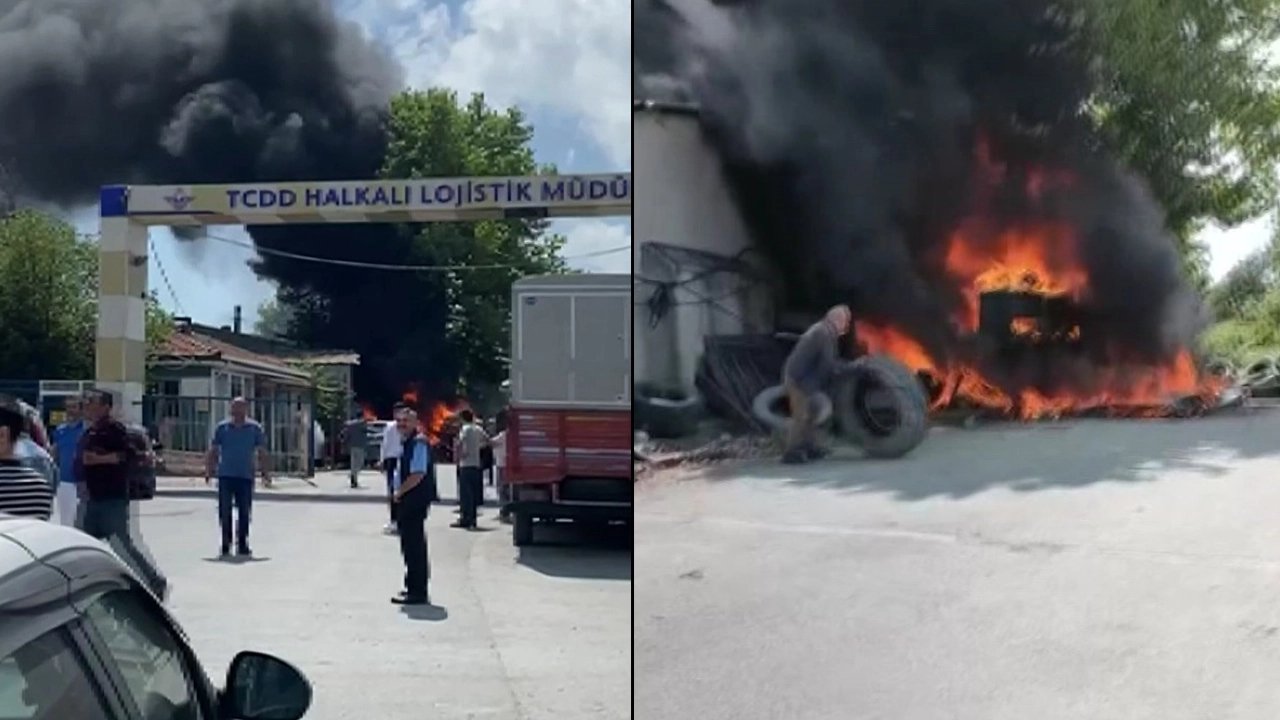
[810,367]
[499,444]
[238,445]
[317,444]
[466,453]
[357,434]
[486,457]
[416,490]
[35,426]
[66,438]
[390,452]
[105,460]
[34,455]
[23,491]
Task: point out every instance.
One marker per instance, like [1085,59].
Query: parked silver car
[82,639]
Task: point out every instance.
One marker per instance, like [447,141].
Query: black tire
[666,418]
[767,408]
[521,529]
[882,406]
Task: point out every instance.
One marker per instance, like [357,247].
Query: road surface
[1084,569]
[539,634]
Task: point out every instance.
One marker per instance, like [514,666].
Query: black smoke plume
[154,91]
[96,92]
[850,130]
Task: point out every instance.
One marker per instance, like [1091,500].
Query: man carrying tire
[809,369]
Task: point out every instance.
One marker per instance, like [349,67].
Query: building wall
[684,218]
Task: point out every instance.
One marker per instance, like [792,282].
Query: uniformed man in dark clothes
[809,369]
[413,497]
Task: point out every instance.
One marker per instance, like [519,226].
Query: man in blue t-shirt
[66,441]
[238,446]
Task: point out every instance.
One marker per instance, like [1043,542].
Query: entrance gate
[126,212]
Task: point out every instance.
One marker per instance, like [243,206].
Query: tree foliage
[1246,306]
[1186,93]
[445,332]
[274,319]
[433,134]
[1243,285]
[49,300]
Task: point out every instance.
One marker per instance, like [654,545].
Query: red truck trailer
[569,419]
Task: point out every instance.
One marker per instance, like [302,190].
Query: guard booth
[54,395]
[47,396]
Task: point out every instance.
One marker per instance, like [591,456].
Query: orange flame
[433,420]
[1128,391]
[1031,256]
[1031,259]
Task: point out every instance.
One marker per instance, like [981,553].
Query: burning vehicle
[937,167]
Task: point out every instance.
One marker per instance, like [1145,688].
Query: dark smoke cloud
[207,91]
[154,91]
[848,129]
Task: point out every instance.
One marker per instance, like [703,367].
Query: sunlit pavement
[543,633]
[1070,570]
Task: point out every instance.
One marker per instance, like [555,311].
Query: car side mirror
[264,687]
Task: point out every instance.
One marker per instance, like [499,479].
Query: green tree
[48,300]
[432,134]
[275,319]
[1244,285]
[1187,95]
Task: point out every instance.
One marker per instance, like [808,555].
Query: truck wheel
[882,406]
[769,408]
[522,529]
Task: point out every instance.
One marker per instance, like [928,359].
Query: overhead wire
[164,276]
[397,267]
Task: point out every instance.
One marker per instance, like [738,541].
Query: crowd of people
[98,469]
[479,454]
[92,469]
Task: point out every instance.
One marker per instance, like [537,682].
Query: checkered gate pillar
[121,348]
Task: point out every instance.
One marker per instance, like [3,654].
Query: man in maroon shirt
[104,460]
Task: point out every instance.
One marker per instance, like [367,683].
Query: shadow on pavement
[425,613]
[958,463]
[571,550]
[237,560]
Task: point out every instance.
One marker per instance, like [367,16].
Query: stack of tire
[878,403]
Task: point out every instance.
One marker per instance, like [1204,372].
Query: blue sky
[565,63]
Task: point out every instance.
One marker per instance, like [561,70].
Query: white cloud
[589,235]
[570,56]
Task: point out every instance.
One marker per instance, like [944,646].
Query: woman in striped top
[23,491]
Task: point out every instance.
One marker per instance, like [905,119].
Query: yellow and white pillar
[121,348]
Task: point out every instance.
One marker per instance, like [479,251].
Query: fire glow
[1031,258]
[433,418]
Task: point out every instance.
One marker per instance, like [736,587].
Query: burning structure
[933,165]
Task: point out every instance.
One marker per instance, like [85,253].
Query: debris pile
[652,454]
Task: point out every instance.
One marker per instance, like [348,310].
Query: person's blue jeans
[238,492]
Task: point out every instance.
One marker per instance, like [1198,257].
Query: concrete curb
[261,495]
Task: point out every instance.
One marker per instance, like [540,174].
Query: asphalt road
[543,633]
[1070,570]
